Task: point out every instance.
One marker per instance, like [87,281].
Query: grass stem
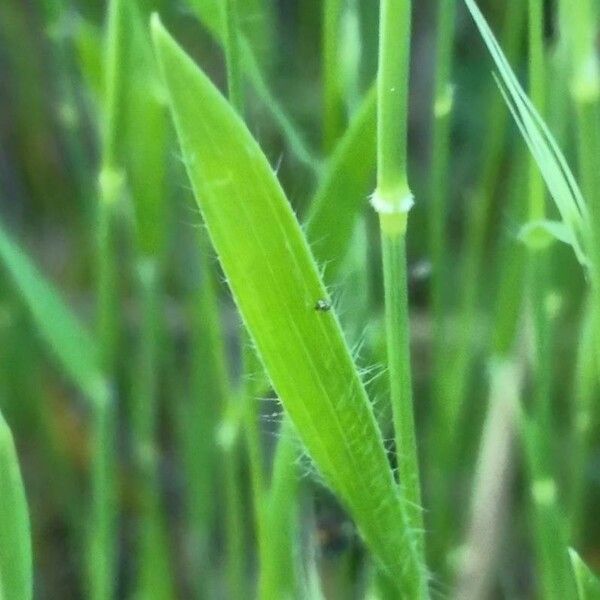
[392,201]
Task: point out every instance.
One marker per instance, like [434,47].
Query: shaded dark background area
[49,156]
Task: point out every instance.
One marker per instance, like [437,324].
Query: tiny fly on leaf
[323,305]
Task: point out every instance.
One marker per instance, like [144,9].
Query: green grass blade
[333,89]
[68,339]
[548,524]
[101,561]
[588,585]
[279,577]
[442,114]
[550,159]
[144,135]
[276,285]
[345,184]
[16,579]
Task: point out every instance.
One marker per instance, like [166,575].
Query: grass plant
[392,201]
[229,369]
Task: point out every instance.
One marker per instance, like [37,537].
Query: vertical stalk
[399,368]
[585,389]
[210,401]
[392,110]
[252,387]
[102,551]
[579,27]
[392,200]
[580,20]
[234,520]
[333,97]
[537,94]
[235,80]
[538,259]
[442,114]
[537,432]
[63,72]
[154,577]
[442,110]
[279,571]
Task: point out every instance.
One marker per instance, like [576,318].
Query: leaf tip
[157,28]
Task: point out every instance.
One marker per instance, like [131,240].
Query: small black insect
[323,305]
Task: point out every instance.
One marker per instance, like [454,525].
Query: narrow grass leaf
[588,585]
[277,288]
[549,526]
[279,574]
[542,145]
[145,134]
[66,336]
[343,189]
[16,580]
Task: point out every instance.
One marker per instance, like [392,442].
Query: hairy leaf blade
[276,285]
[16,578]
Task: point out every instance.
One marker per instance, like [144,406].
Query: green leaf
[67,338]
[16,579]
[144,134]
[342,193]
[279,577]
[550,159]
[276,285]
[588,585]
